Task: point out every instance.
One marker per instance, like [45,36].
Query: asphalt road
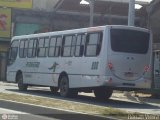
[6,114]
[42,113]
[130,104]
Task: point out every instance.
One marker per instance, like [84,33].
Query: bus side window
[46,45]
[23,48]
[69,45]
[41,48]
[80,43]
[58,46]
[73,46]
[93,44]
[55,46]
[35,47]
[99,45]
[43,44]
[13,51]
[52,45]
[32,48]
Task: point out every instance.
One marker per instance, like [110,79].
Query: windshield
[129,41]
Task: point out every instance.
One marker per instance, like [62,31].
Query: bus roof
[74,31]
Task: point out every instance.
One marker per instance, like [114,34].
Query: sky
[144,0]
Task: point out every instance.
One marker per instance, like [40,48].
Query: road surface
[130,104]
[6,114]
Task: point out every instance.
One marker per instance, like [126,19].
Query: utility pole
[131,13]
[91,4]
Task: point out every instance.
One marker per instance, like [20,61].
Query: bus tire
[21,85]
[103,93]
[65,91]
[54,90]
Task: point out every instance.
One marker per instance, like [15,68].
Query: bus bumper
[141,83]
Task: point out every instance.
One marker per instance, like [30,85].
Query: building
[21,17]
[154,19]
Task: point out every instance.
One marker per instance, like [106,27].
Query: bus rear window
[129,41]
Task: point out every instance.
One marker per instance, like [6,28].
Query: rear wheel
[65,91]
[21,85]
[103,93]
[54,90]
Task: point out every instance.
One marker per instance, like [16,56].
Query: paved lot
[119,101]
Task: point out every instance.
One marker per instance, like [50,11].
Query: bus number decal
[94,65]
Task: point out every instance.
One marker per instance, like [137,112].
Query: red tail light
[110,66]
[146,68]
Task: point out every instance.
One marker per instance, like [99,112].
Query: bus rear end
[129,58]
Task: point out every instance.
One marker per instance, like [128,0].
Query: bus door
[157,69]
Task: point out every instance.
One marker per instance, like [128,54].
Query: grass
[67,105]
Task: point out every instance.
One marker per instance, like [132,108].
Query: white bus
[99,59]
